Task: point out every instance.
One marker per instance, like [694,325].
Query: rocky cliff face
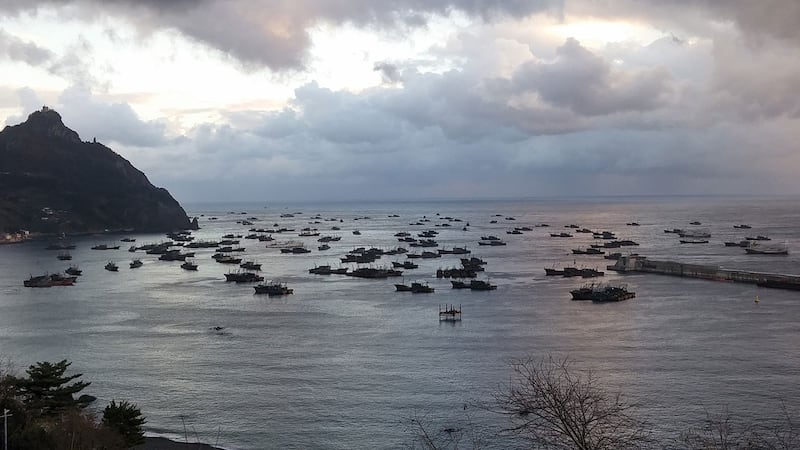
[51,181]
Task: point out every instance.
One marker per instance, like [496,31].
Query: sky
[321,100]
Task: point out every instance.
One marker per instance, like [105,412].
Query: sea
[349,363]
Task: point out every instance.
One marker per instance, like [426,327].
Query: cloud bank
[707,107]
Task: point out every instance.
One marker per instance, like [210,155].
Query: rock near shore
[53,182]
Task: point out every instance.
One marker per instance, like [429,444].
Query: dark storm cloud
[389,72]
[776,18]
[585,83]
[275,33]
[754,83]
[772,18]
[15,49]
[71,65]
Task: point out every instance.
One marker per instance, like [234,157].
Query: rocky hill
[51,182]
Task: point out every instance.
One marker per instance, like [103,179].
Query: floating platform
[449,313]
[642,264]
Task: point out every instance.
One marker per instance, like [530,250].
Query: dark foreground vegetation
[47,412]
[546,405]
[549,405]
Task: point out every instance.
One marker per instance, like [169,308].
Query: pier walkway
[637,263]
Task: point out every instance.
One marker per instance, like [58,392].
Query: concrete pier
[637,263]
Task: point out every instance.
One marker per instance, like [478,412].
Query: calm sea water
[343,362]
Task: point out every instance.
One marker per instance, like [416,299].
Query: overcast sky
[291,100]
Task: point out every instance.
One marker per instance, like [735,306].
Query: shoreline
[162,443]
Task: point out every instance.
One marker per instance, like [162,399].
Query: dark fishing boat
[585,292]
[273,289]
[188,265]
[43,281]
[243,277]
[612,294]
[550,272]
[420,288]
[327,270]
[371,272]
[402,287]
[481,285]
[250,265]
[105,247]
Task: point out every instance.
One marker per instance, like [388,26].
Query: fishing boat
[136,263]
[612,294]
[111,266]
[105,247]
[371,272]
[744,243]
[188,265]
[327,270]
[591,273]
[243,277]
[757,248]
[481,285]
[458,284]
[402,287]
[55,279]
[420,288]
[585,292]
[404,265]
[250,265]
[273,289]
[295,250]
[227,259]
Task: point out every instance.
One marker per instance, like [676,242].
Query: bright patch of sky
[596,33]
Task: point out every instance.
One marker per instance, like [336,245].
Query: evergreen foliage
[126,419]
[45,413]
[47,391]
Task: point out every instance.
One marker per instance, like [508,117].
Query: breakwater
[637,263]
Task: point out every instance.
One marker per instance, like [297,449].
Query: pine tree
[47,391]
[126,419]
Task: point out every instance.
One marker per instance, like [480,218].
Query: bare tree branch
[552,406]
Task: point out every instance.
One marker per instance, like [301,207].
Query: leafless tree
[552,406]
[722,432]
